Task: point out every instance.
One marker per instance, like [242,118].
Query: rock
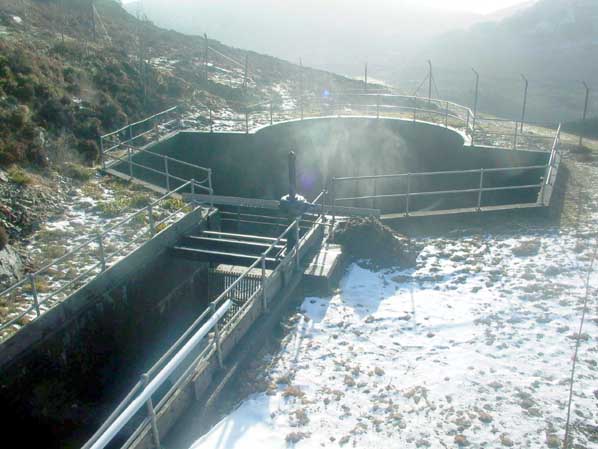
[526,249]
[11,267]
[505,440]
[461,440]
[3,176]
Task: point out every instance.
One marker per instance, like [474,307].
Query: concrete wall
[255,164]
[64,373]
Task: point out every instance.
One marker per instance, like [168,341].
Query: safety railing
[132,133]
[164,168]
[486,131]
[204,335]
[41,289]
[409,194]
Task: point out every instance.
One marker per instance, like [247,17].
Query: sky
[474,6]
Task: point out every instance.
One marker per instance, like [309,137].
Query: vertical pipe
[246,121]
[481,191]
[585,114]
[167,173]
[151,413]
[524,101]
[211,121]
[152,224]
[475,105]
[101,253]
[192,183]
[34,294]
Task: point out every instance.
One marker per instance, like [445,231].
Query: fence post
[264,299]
[516,136]
[301,105]
[101,252]
[271,113]
[192,182]
[246,122]
[415,111]
[481,190]
[446,114]
[102,162]
[408,193]
[211,188]
[375,200]
[151,413]
[34,294]
[130,158]
[131,132]
[211,122]
[333,202]
[467,125]
[378,106]
[217,337]
[297,236]
[167,172]
[543,181]
[585,114]
[152,224]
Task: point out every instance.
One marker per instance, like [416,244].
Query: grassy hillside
[67,75]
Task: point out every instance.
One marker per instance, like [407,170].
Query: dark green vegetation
[64,81]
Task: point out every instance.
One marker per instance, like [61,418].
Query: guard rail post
[101,253]
[516,135]
[377,106]
[467,124]
[271,113]
[408,194]
[446,115]
[152,224]
[34,294]
[264,299]
[246,122]
[211,122]
[130,158]
[151,413]
[211,187]
[167,173]
[297,236]
[481,190]
[217,337]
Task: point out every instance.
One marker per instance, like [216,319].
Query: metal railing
[481,130]
[128,134]
[206,335]
[96,252]
[201,175]
[409,194]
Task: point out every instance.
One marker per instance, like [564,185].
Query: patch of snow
[472,347]
[17,19]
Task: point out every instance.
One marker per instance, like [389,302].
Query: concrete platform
[325,268]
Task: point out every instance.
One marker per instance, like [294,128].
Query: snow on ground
[473,347]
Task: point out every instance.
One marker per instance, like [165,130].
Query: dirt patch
[374,243]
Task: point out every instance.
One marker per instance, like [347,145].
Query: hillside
[61,87]
[552,42]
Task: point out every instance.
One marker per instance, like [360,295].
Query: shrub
[18,176]
[11,152]
[77,172]
[56,113]
[3,238]
[19,117]
[88,129]
[89,150]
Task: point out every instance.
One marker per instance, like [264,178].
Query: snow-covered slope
[472,348]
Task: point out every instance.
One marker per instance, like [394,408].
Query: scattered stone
[553,441]
[295,437]
[505,440]
[527,249]
[379,371]
[461,440]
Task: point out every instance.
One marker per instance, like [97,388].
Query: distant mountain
[553,42]
[337,35]
[505,13]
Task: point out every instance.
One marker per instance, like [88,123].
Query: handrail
[102,257]
[162,370]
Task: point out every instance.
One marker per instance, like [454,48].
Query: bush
[19,117]
[3,238]
[18,176]
[56,113]
[77,172]
[11,152]
[89,150]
